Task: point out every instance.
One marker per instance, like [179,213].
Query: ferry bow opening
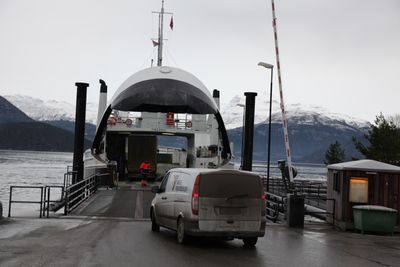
[163,101]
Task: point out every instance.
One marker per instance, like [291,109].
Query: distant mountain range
[20,132]
[297,113]
[9,113]
[51,110]
[311,129]
[308,143]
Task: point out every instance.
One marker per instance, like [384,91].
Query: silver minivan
[210,202]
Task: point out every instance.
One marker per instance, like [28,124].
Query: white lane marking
[139,205]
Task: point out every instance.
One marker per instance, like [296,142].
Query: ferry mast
[160,40]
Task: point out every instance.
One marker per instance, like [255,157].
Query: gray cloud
[339,54]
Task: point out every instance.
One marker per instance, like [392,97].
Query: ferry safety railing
[76,194]
[69,177]
[47,198]
[180,122]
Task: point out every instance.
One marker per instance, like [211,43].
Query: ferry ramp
[130,200]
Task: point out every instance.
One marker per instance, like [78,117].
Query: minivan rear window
[223,185]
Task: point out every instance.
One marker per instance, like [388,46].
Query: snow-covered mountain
[297,113]
[232,114]
[51,110]
[311,129]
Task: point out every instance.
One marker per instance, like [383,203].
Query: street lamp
[241,153]
[271,67]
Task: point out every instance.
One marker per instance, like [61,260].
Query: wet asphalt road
[111,229]
[124,242]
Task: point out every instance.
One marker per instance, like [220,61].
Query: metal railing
[47,199]
[315,199]
[275,206]
[76,194]
[179,122]
[317,190]
[45,193]
[69,177]
[71,195]
[40,202]
[322,213]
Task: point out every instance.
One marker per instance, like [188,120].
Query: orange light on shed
[358,190]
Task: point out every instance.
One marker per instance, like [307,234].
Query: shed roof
[365,165]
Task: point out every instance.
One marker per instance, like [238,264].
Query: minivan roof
[197,171]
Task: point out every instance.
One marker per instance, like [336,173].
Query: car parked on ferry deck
[210,202]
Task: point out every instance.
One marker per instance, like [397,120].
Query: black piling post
[247,157]
[79,141]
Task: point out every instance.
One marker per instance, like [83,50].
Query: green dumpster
[374,218]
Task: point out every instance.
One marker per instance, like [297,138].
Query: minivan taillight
[263,198]
[195,197]
[263,195]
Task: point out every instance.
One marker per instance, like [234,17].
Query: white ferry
[151,106]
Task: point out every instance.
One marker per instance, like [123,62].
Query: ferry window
[336,181]
[164,183]
[358,190]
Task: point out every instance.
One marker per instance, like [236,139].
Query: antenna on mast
[160,34]
[160,39]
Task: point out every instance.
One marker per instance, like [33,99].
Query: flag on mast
[155,43]
[171,23]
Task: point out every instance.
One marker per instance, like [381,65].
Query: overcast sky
[343,55]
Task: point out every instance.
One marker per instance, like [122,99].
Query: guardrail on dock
[71,195]
[315,199]
[44,198]
[40,202]
[77,193]
[48,201]
[318,212]
[275,206]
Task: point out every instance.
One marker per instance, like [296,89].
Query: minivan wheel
[180,232]
[155,227]
[250,241]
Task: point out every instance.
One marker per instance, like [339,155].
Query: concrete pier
[128,242]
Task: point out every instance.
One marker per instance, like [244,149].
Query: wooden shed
[361,182]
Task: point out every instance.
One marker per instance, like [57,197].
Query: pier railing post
[9,202]
[41,202]
[48,202]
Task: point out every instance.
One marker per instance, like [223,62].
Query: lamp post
[241,153]
[271,67]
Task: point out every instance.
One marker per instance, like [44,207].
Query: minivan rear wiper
[236,196]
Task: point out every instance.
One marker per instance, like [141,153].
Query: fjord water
[28,168]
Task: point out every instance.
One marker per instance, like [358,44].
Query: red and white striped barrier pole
[284,119]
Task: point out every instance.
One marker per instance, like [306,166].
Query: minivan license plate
[229,211]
